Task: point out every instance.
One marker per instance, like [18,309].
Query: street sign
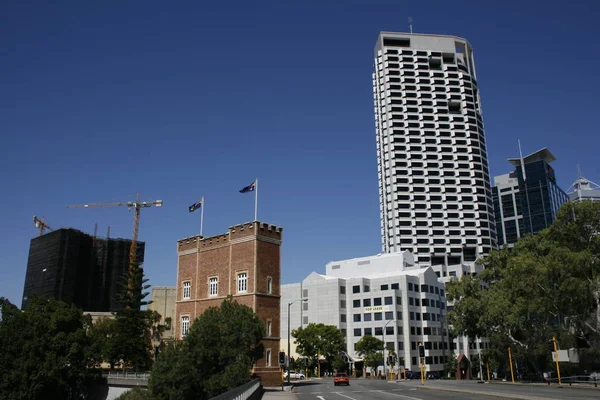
[563,356]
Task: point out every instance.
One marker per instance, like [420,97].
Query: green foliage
[136,393]
[339,364]
[370,348]
[546,285]
[319,340]
[216,356]
[44,351]
[132,338]
[451,365]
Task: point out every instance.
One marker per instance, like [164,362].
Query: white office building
[434,183]
[583,189]
[386,296]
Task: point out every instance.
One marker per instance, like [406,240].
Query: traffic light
[282,358]
[421,350]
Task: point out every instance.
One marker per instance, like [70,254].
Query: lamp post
[289,343]
[385,326]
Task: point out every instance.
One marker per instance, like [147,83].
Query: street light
[385,326]
[289,343]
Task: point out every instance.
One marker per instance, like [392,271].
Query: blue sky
[100,100]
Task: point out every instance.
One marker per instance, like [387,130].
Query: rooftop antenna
[410,22]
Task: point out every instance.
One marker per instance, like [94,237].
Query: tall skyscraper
[526,202]
[69,265]
[434,183]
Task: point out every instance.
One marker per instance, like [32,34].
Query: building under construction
[78,268]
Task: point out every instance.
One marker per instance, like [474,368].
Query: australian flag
[195,206]
[249,188]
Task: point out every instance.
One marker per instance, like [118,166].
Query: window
[378,331]
[187,290]
[389,330]
[342,303]
[399,315]
[185,326]
[357,332]
[384,287]
[388,300]
[389,315]
[395,286]
[343,318]
[377,301]
[242,280]
[305,293]
[342,289]
[355,303]
[378,316]
[398,300]
[269,285]
[366,302]
[213,286]
[367,317]
[268,357]
[369,331]
[356,317]
[367,288]
[269,325]
[305,306]
[356,289]
[305,320]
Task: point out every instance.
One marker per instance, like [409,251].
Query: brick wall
[251,248]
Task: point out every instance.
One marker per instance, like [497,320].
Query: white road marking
[399,395]
[343,395]
[320,397]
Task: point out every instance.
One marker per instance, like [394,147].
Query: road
[366,389]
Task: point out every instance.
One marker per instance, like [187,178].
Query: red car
[341,378]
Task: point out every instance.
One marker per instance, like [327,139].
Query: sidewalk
[275,392]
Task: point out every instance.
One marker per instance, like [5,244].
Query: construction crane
[41,224]
[137,205]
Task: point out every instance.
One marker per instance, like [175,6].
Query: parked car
[433,375]
[341,378]
[294,375]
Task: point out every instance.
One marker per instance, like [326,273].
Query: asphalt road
[366,389]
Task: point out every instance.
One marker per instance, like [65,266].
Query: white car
[294,375]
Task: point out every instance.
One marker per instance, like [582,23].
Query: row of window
[213,286]
[388,300]
[389,330]
[377,316]
[416,316]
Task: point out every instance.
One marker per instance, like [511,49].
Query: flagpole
[202,216]
[256,200]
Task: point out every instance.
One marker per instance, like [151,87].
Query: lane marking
[320,397]
[343,395]
[398,395]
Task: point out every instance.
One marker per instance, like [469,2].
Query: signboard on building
[377,308]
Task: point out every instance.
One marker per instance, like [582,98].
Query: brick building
[244,263]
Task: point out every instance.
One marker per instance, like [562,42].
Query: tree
[370,349]
[319,340]
[43,351]
[131,341]
[102,347]
[451,365]
[546,285]
[216,355]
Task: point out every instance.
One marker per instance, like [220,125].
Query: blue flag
[249,188]
[195,206]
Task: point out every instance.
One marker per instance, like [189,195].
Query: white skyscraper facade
[434,182]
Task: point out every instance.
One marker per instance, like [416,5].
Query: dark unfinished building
[77,268]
